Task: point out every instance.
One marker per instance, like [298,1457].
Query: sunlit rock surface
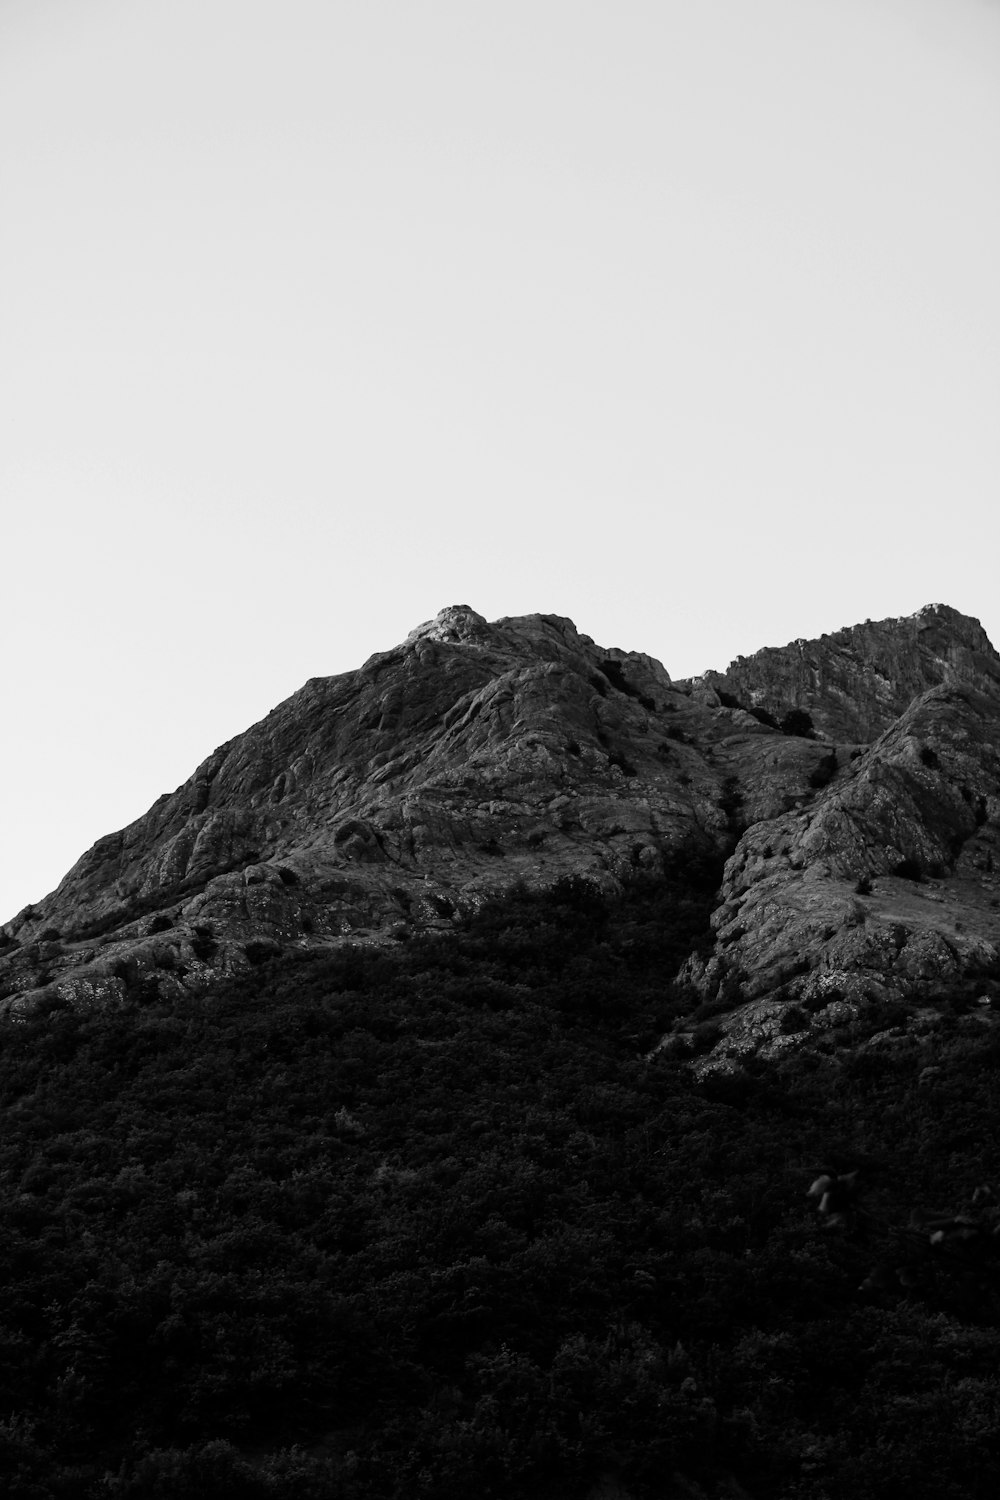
[477,755]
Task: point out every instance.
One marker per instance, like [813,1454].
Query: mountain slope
[476,756]
[857,681]
[887,887]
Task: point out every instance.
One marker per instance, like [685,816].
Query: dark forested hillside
[436,1220]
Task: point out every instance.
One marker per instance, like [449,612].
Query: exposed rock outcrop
[472,756]
[855,682]
[476,755]
[887,888]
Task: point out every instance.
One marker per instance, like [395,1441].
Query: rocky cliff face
[855,683]
[477,755]
[887,887]
[470,757]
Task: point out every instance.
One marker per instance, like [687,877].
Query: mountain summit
[856,682]
[853,783]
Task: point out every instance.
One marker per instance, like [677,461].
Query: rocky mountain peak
[857,681]
[454,624]
[478,755]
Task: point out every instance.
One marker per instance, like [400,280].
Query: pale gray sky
[679,318]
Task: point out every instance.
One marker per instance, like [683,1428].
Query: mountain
[855,683]
[852,784]
[614,1117]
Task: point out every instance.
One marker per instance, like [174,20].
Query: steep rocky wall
[855,682]
[887,888]
[468,758]
[474,756]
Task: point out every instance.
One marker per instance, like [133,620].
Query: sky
[677,317]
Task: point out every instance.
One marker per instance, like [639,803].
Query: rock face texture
[856,682]
[477,755]
[470,757]
[887,887]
